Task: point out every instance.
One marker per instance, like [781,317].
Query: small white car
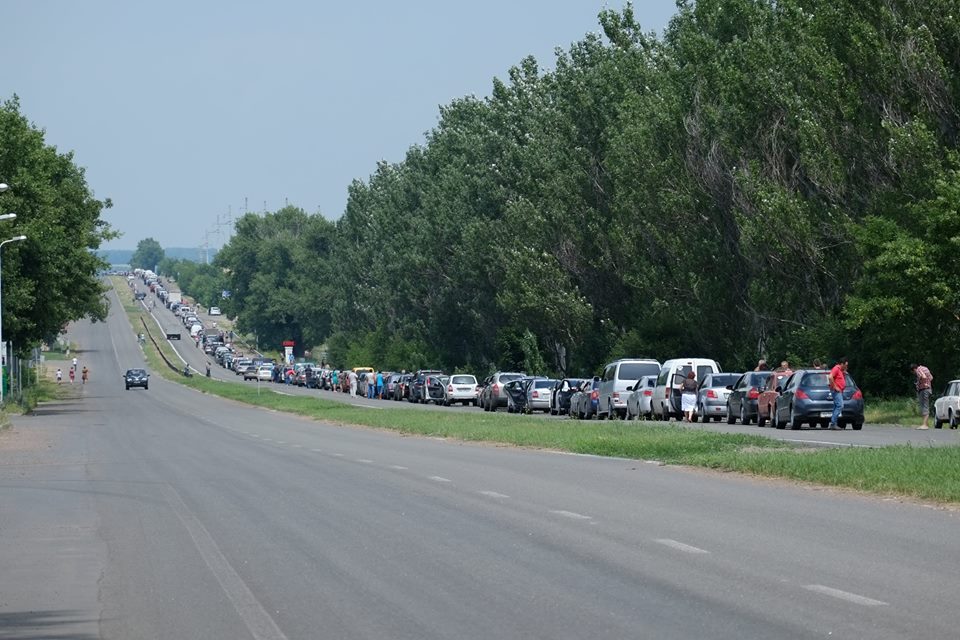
[265,373]
[946,408]
[640,400]
[215,311]
[462,388]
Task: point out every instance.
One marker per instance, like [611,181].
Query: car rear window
[463,380]
[724,379]
[508,377]
[636,370]
[757,379]
[543,384]
[816,380]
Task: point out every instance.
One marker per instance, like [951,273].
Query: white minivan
[617,382]
[666,395]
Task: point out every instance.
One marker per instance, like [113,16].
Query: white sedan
[460,388]
[946,409]
[265,373]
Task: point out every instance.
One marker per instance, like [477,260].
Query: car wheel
[937,422]
[952,422]
[857,426]
[128,387]
[731,419]
[145,387]
[795,422]
[761,419]
[776,419]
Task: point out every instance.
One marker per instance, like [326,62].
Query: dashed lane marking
[398,467]
[679,546]
[845,595]
[493,494]
[365,460]
[438,479]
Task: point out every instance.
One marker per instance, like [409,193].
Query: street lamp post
[15,239]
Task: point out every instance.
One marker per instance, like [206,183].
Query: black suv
[136,378]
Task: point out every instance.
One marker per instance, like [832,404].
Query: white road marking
[363,406]
[845,595]
[398,467]
[283,393]
[570,514]
[298,446]
[256,618]
[281,442]
[365,460]
[268,439]
[338,455]
[832,444]
[253,435]
[317,450]
[438,479]
[493,494]
[679,546]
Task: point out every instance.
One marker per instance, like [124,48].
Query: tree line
[52,277]
[765,179]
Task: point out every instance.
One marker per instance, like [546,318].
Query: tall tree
[148,254]
[51,278]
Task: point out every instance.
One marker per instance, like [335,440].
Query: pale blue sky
[179,110]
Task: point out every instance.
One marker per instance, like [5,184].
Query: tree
[52,278]
[148,255]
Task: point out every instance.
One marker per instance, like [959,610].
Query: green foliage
[51,278]
[767,179]
[148,255]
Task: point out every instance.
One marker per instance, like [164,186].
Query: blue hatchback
[806,397]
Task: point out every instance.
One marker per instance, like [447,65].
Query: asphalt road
[170,514]
[871,436]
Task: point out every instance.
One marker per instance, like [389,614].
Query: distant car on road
[214,311]
[806,397]
[136,378]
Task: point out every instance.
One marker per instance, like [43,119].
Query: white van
[666,395]
[617,382]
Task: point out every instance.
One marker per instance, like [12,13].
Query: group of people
[350,382]
[84,373]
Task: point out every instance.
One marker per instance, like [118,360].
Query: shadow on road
[44,625]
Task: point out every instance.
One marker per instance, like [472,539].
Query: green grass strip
[928,473]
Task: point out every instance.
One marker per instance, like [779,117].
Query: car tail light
[594,394]
[666,391]
[753,394]
[449,388]
[711,393]
[648,393]
[535,394]
[496,389]
[801,395]
[616,395]
[857,395]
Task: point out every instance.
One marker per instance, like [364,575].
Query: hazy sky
[181,109]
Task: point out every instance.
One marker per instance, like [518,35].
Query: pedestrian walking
[73,374]
[688,397]
[353,383]
[84,375]
[380,385]
[924,386]
[838,382]
[74,363]
[59,376]
[371,387]
[335,381]
[208,368]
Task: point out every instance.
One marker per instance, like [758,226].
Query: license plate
[464,389]
[826,414]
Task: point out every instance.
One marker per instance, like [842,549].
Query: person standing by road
[838,382]
[84,375]
[59,375]
[74,363]
[73,373]
[762,366]
[924,385]
[380,385]
[688,397]
[353,383]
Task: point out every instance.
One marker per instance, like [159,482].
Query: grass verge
[921,472]
[902,411]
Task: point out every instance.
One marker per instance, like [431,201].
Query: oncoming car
[136,378]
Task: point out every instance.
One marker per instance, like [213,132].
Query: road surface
[171,514]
